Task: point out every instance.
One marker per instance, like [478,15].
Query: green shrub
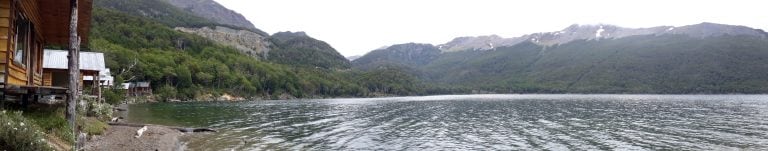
[99,110]
[165,93]
[114,96]
[19,133]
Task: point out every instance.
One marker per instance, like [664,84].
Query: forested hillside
[298,49]
[178,64]
[186,66]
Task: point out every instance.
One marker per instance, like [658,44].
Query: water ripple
[478,122]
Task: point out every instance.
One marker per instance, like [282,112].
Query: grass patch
[52,120]
[93,126]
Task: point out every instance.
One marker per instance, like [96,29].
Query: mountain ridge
[406,55]
[700,58]
[213,11]
[592,32]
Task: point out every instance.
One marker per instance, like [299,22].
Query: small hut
[138,89]
[91,68]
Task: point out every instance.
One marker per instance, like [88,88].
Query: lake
[474,122]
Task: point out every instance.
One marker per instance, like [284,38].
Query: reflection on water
[476,122]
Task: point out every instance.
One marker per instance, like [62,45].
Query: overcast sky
[355,27]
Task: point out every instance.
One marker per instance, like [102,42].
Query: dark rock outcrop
[248,42]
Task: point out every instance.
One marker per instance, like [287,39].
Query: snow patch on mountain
[599,32]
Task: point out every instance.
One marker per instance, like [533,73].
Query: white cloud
[355,27]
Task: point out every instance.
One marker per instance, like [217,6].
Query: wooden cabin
[55,69]
[26,26]
[137,89]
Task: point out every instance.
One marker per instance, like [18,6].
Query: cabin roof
[56,18]
[141,84]
[104,75]
[89,61]
[135,85]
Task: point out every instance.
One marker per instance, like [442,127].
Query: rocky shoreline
[132,136]
[124,138]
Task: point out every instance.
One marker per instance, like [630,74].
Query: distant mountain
[407,55]
[297,48]
[353,58]
[595,32]
[701,58]
[477,43]
[213,11]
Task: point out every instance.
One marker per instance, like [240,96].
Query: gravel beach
[123,138]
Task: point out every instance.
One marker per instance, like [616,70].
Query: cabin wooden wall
[47,78]
[5,20]
[49,74]
[32,73]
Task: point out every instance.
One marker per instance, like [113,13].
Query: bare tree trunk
[73,67]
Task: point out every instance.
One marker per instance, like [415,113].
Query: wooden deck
[34,90]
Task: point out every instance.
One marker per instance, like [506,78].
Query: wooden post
[97,78]
[93,84]
[74,71]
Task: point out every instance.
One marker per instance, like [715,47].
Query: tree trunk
[73,67]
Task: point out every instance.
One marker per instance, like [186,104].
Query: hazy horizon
[357,27]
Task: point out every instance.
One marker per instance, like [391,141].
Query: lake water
[475,122]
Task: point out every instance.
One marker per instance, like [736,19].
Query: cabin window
[22,40]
